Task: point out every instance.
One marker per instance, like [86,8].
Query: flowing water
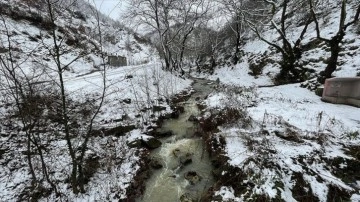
[168,184]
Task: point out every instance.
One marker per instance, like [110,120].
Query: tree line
[183,33]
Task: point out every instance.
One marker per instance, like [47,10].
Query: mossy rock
[120,130]
[155,163]
[186,198]
[192,177]
[152,143]
[158,108]
[135,144]
[186,159]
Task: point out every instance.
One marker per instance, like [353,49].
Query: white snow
[321,130]
[143,83]
[239,75]
[227,194]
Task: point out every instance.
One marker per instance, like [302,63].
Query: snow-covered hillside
[261,62]
[135,97]
[293,147]
[79,28]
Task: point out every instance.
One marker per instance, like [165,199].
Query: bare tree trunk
[290,53]
[238,40]
[102,98]
[64,114]
[183,46]
[333,42]
[44,166]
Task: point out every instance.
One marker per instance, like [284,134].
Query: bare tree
[41,106]
[207,54]
[237,22]
[334,41]
[290,51]
[173,21]
[29,109]
[90,127]
[193,14]
[56,52]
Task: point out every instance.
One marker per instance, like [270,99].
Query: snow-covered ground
[131,92]
[144,85]
[238,75]
[296,147]
[292,131]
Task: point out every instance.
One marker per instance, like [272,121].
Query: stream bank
[181,168]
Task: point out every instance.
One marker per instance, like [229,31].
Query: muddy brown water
[168,184]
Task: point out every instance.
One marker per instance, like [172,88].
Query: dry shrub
[226,116]
[338,194]
[302,190]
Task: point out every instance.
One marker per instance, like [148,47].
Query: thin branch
[355,19]
[312,11]
[253,28]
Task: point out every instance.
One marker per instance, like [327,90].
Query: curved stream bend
[169,183]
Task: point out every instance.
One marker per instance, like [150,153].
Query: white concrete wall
[345,90]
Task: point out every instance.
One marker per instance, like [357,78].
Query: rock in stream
[192,177]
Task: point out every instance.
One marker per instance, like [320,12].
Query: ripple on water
[169,184]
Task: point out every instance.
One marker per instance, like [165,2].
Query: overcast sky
[111,8]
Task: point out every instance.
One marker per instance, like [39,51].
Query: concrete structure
[345,90]
[117,61]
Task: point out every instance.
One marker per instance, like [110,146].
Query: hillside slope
[260,60]
[286,144]
[135,97]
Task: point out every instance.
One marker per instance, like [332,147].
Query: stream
[187,171]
